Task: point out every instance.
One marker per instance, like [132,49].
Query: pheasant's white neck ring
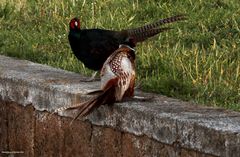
[124,45]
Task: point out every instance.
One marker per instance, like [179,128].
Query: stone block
[143,146]
[21,129]
[3,127]
[48,135]
[77,138]
[106,142]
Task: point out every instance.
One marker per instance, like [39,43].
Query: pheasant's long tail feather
[74,106]
[147,34]
[106,97]
[149,30]
[83,107]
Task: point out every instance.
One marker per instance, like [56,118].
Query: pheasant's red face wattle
[74,23]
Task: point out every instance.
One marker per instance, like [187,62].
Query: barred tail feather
[85,108]
[147,34]
[152,29]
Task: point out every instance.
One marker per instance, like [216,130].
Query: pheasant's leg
[138,85]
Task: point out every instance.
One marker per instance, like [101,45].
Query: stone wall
[162,127]
[35,133]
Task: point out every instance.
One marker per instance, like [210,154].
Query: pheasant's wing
[126,77]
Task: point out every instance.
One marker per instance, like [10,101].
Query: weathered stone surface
[166,120]
[142,146]
[48,139]
[21,129]
[146,147]
[189,153]
[83,139]
[3,127]
[77,138]
[106,142]
[44,87]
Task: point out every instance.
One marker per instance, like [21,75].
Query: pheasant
[94,46]
[117,81]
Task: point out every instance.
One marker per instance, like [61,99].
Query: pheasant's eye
[76,23]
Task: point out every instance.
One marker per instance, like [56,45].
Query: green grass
[199,60]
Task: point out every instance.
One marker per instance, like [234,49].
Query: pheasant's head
[74,24]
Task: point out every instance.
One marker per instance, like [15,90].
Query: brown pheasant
[117,81]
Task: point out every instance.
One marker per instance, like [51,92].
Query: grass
[199,60]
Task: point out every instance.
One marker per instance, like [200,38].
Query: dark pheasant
[94,46]
[117,81]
